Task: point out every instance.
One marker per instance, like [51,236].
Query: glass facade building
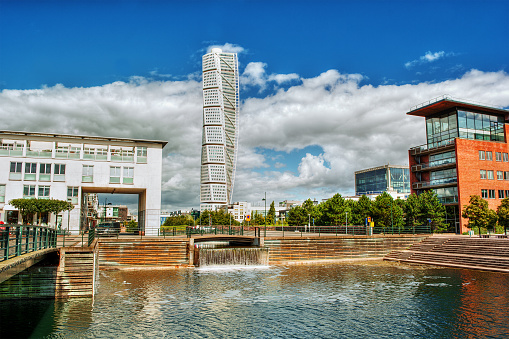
[380,179]
[465,155]
[461,123]
[220,129]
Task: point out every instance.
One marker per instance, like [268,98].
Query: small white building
[69,167]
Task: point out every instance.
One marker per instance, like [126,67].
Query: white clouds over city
[355,125]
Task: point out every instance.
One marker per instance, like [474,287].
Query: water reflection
[323,301]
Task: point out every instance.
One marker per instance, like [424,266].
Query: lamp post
[309,222]
[265,219]
[346,223]
[392,222]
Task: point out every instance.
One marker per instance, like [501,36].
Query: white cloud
[228,48]
[427,58]
[254,75]
[356,126]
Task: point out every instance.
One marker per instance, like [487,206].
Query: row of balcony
[434,165]
[72,155]
[435,183]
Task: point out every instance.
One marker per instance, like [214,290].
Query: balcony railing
[429,147]
[76,154]
[434,164]
[433,183]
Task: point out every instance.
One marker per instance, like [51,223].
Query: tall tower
[220,129]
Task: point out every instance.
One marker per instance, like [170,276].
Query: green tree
[271,214]
[477,213]
[310,211]
[432,210]
[258,219]
[333,211]
[132,226]
[219,217]
[296,216]
[503,214]
[413,211]
[29,207]
[361,209]
[386,212]
[179,220]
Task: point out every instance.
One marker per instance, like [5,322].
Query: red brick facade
[468,167]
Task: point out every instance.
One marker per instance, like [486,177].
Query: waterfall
[233,256]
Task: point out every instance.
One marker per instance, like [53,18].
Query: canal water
[363,300]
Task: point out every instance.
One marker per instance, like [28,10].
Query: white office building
[220,129]
[70,167]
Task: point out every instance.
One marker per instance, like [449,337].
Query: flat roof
[444,103]
[79,137]
[380,167]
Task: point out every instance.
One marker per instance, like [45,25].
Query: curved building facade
[220,129]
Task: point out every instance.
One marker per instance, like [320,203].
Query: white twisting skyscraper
[220,128]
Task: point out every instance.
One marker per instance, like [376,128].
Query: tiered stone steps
[462,252]
[286,250]
[115,253]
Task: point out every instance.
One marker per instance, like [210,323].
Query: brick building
[466,154]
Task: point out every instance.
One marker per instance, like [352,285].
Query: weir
[220,256]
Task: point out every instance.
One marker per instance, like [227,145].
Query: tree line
[384,211]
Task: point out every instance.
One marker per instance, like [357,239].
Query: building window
[507,193]
[72,195]
[141,155]
[482,155]
[498,156]
[15,172]
[59,172]
[44,172]
[489,175]
[484,194]
[114,175]
[88,173]
[489,156]
[506,175]
[2,193]
[501,194]
[491,194]
[505,157]
[500,175]
[483,174]
[30,170]
[28,191]
[128,175]
[43,192]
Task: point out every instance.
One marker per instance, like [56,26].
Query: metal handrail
[16,240]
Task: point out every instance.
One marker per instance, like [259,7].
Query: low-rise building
[71,167]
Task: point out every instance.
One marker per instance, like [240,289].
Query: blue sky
[325,84]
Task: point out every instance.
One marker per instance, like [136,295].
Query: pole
[392,222]
[309,222]
[265,230]
[346,223]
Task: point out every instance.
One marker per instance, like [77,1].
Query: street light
[346,223]
[265,229]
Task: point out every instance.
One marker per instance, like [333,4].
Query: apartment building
[70,167]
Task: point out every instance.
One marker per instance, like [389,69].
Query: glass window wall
[442,129]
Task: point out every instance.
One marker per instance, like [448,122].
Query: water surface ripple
[324,301]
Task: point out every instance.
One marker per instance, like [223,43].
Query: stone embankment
[488,254]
